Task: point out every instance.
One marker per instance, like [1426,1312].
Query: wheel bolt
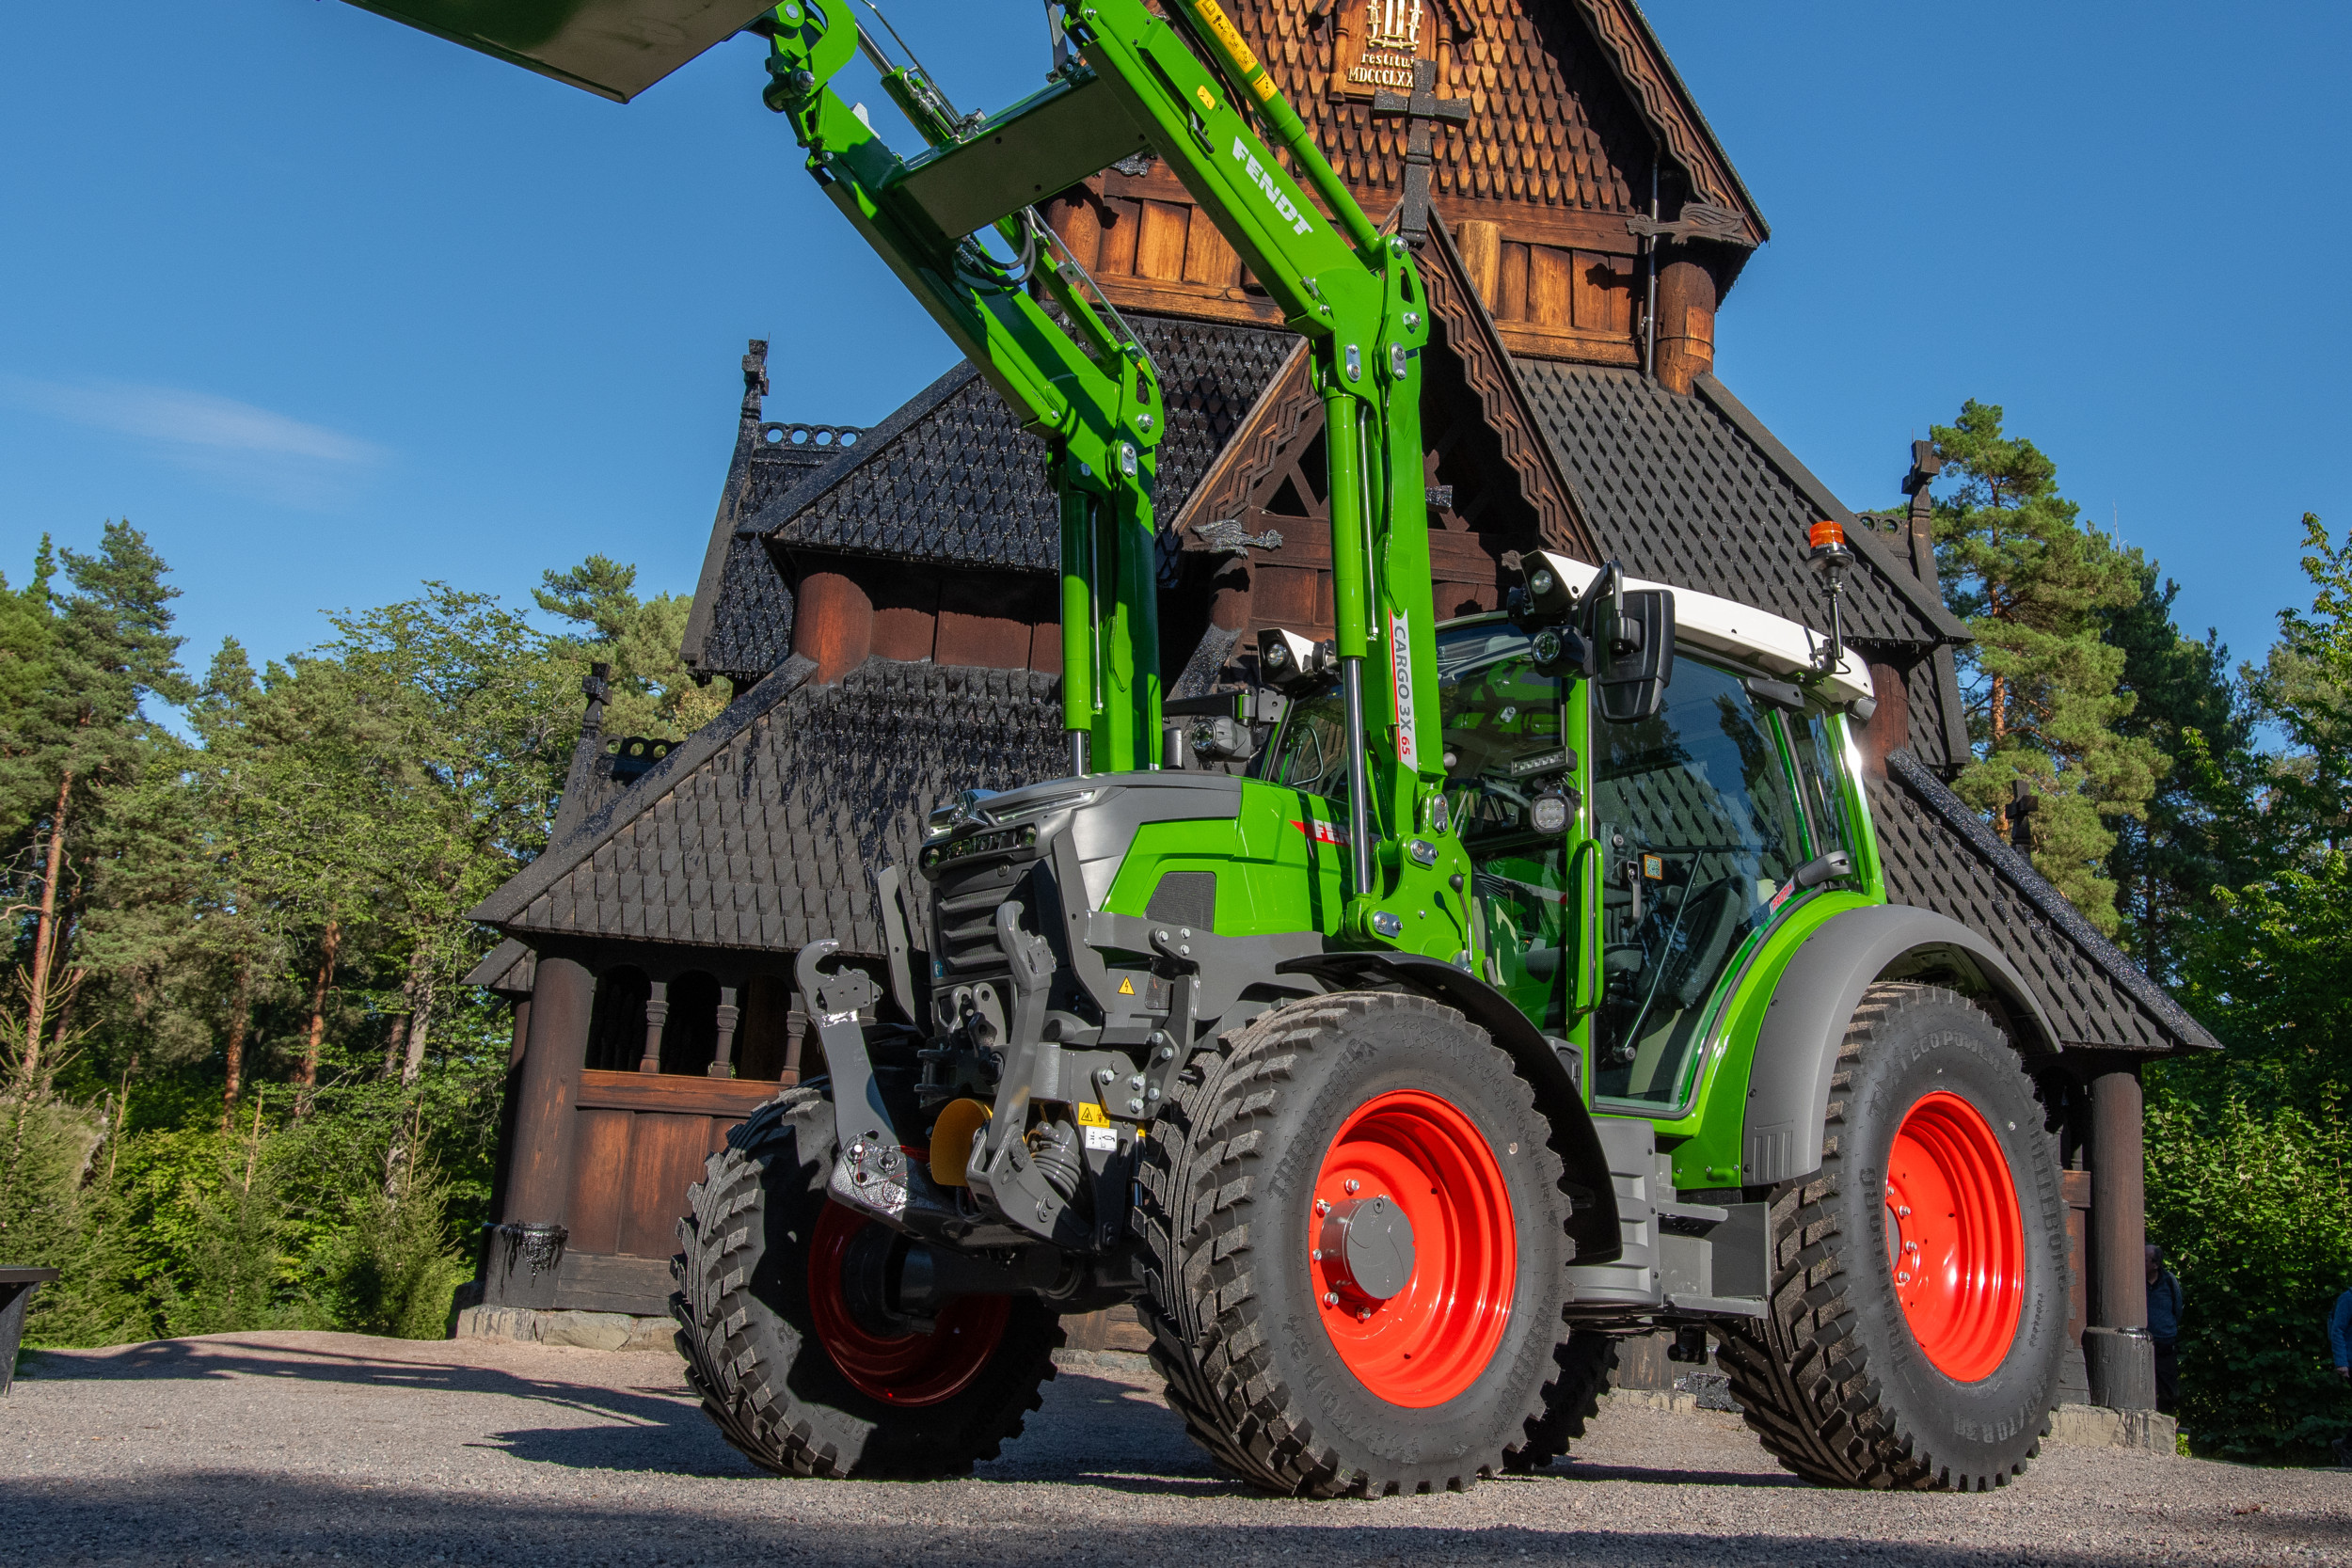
[1351,1185]
[1323,1206]
[1315,1253]
[1332,1298]
[1363,1314]
[1903,1211]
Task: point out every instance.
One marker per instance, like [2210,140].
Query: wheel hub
[1367,1247]
[1955,1240]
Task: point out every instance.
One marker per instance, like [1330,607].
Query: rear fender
[1796,1051]
[1593,1226]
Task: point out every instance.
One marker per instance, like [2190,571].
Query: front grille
[965,890]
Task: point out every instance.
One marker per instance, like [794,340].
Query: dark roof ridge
[515,893]
[2037,890]
[876,440]
[1690,103]
[1907,586]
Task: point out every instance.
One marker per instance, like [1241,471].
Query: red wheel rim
[1431,1340]
[909,1368]
[1954,1242]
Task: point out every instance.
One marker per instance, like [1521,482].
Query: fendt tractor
[1395,1030]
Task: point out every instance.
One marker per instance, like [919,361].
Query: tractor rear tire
[1919,1279]
[793,1382]
[1292,1374]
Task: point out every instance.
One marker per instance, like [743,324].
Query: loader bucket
[614,48]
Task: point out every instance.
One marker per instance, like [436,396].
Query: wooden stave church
[882,602]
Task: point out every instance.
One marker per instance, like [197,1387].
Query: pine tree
[2198,833]
[653,693]
[2047,698]
[111,647]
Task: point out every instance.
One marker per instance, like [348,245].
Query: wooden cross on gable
[1421,112]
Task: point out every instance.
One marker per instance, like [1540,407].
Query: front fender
[1796,1051]
[1592,1224]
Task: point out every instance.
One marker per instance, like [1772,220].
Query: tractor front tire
[1582,1366]
[1919,1279]
[794,1382]
[1300,1376]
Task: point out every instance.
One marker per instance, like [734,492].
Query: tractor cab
[1630,859]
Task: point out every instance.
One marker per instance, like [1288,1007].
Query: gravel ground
[268,1446]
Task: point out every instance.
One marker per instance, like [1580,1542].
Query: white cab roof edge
[1783,646]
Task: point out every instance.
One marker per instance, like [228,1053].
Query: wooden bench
[16,1294]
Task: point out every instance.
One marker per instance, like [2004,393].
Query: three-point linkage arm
[1206,105]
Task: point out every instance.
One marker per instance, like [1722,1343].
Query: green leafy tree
[2249,1166]
[2036,588]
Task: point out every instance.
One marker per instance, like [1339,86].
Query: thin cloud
[235,444]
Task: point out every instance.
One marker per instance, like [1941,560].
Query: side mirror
[1635,643]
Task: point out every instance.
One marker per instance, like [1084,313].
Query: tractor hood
[614,48]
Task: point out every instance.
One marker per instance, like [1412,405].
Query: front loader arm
[1099,413]
[1186,86]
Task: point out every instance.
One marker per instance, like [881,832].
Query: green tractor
[1402,1029]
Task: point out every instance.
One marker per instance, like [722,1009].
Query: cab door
[1699,830]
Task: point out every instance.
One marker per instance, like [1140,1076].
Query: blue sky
[328,308]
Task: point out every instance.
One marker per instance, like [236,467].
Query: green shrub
[2254,1207]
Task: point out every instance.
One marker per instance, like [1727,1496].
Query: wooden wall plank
[1548,288]
[666,1155]
[906,615]
[1207,258]
[1118,255]
[649,1091]
[1160,240]
[599,1149]
[1510,301]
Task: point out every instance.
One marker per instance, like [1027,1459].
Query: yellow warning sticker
[1126,987]
[1208,100]
[1090,1115]
[1228,36]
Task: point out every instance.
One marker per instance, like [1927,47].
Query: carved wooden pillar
[527,1249]
[1686,318]
[795,1031]
[833,623]
[722,1062]
[2121,1358]
[657,1014]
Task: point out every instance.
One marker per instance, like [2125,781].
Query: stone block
[2096,1426]
[608,1331]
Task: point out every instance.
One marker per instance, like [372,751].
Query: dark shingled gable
[1680,492]
[1940,855]
[764,828]
[953,477]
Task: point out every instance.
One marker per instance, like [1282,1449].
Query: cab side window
[1700,830]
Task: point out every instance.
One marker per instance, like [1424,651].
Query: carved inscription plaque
[1377,44]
